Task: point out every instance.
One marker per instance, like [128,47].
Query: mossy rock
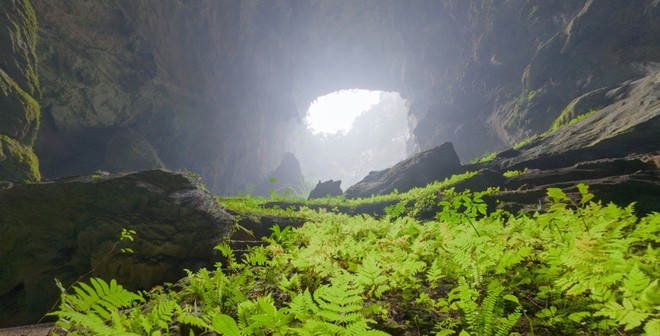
[17,161]
[18,36]
[19,84]
[19,111]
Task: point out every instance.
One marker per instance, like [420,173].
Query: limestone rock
[226,78]
[327,188]
[635,178]
[627,126]
[287,178]
[19,86]
[70,228]
[416,171]
[128,150]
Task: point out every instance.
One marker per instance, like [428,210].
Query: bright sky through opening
[337,111]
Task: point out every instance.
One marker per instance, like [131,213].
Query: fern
[581,267]
[91,307]
[370,275]
[625,314]
[488,318]
[337,309]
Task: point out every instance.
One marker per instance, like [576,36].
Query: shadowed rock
[327,188]
[285,179]
[417,171]
[67,228]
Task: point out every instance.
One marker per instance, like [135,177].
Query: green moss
[563,120]
[21,108]
[17,161]
[20,32]
[531,94]
[524,142]
[19,86]
[485,158]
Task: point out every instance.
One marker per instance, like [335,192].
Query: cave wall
[19,91]
[215,86]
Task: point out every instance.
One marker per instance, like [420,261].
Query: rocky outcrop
[19,91]
[629,125]
[623,181]
[582,56]
[286,179]
[327,188]
[614,151]
[416,171]
[70,228]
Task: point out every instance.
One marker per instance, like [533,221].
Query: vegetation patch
[18,161]
[579,268]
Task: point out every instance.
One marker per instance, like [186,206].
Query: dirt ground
[30,330]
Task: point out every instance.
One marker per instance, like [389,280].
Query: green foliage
[490,317]
[564,118]
[485,158]
[524,142]
[127,235]
[512,173]
[18,160]
[579,267]
[89,309]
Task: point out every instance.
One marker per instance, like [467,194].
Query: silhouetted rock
[327,188]
[417,171]
[286,178]
[67,228]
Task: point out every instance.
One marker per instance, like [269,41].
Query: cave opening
[348,133]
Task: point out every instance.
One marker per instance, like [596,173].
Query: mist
[376,140]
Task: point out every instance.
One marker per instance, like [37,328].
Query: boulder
[69,229]
[327,188]
[417,171]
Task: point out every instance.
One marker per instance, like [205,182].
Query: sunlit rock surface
[628,125]
[70,228]
[215,86]
[417,171]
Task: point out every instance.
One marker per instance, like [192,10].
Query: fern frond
[507,323]
[98,302]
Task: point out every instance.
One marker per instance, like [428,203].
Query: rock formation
[286,179]
[71,227]
[327,188]
[19,89]
[216,86]
[417,171]
[627,126]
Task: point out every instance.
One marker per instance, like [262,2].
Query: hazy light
[337,111]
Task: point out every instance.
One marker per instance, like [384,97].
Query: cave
[348,133]
[169,116]
[148,82]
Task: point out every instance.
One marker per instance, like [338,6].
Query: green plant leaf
[225,325]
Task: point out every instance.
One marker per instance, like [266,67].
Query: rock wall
[215,86]
[19,91]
